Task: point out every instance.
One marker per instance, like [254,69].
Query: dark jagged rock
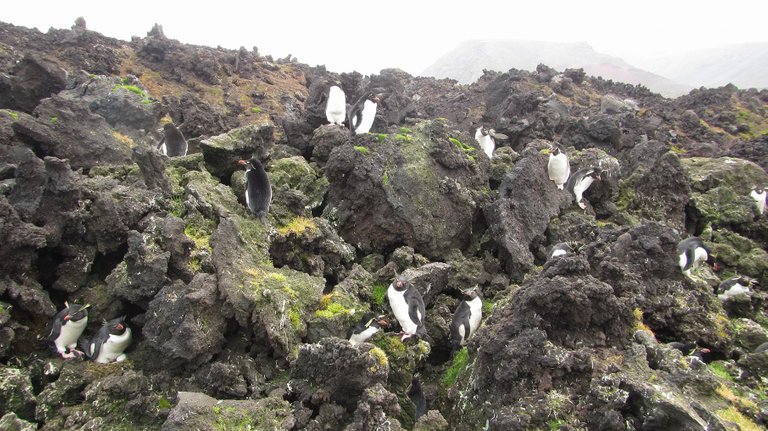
[221,153]
[418,186]
[152,169]
[325,139]
[522,211]
[17,392]
[20,240]
[67,129]
[353,370]
[143,272]
[32,79]
[11,422]
[312,247]
[183,326]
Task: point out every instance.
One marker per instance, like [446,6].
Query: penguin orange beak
[120,326]
[241,162]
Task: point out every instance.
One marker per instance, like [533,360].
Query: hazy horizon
[346,36]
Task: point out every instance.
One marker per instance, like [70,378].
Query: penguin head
[554,150]
[117,326]
[400,283]
[470,294]
[76,312]
[250,164]
[758,189]
[595,173]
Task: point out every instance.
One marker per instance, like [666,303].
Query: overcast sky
[369,36]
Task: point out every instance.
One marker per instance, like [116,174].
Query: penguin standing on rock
[487,139]
[408,306]
[336,107]
[362,113]
[690,251]
[558,167]
[173,143]
[758,194]
[110,342]
[369,325]
[258,190]
[579,182]
[467,318]
[66,328]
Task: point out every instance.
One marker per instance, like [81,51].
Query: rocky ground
[240,324]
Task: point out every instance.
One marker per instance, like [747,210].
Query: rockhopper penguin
[579,182]
[66,327]
[336,107]
[558,167]
[173,143]
[408,306]
[110,342]
[487,139]
[369,325]
[690,251]
[362,114]
[467,318]
[758,194]
[258,190]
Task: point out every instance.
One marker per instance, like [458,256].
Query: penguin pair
[368,326]
[692,350]
[258,190]
[487,139]
[363,113]
[408,307]
[579,182]
[107,346]
[759,195]
[690,252]
[467,318]
[173,143]
[558,167]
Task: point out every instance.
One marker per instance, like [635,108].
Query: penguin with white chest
[560,249]
[362,114]
[408,306]
[487,139]
[369,325]
[110,342]
[173,143]
[336,107]
[558,167]
[66,328]
[579,182]
[466,319]
[258,190]
[735,286]
[690,252]
[758,194]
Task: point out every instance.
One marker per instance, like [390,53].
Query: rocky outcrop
[420,187]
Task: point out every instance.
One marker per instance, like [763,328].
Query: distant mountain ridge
[743,65]
[466,62]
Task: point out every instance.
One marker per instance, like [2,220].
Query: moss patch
[379,293]
[298,226]
[732,414]
[361,149]
[459,364]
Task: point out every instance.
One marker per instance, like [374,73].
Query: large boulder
[196,411]
[526,202]
[420,187]
[221,153]
[67,129]
[32,79]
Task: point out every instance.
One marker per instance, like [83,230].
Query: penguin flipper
[416,312]
[162,141]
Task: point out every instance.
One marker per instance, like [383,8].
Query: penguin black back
[355,112]
[416,394]
[258,190]
[173,141]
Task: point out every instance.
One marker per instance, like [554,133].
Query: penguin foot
[72,354]
[560,186]
[121,358]
[405,336]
